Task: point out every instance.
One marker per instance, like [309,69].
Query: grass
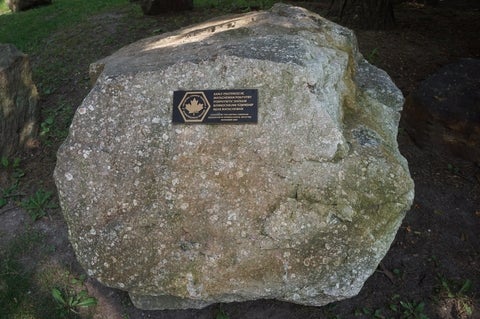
[397,307]
[71,298]
[26,286]
[27,29]
[222,314]
[38,204]
[458,294]
[56,120]
[12,172]
[16,280]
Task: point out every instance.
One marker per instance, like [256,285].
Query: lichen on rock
[301,206]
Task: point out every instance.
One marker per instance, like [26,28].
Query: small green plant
[330,312]
[46,126]
[453,169]
[465,287]
[372,56]
[10,164]
[56,123]
[8,193]
[69,300]
[38,203]
[3,201]
[221,314]
[4,161]
[457,294]
[73,296]
[397,272]
[371,313]
[412,310]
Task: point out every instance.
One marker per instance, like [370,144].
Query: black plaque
[215,106]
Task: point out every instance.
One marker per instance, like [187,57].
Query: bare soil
[437,248]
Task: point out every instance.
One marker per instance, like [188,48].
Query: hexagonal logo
[194,107]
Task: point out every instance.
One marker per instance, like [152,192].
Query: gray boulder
[18,102]
[21,5]
[301,206]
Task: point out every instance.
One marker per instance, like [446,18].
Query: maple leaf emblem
[194,106]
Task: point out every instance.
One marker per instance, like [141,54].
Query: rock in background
[299,207]
[18,101]
[443,114]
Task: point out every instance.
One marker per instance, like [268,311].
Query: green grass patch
[26,289]
[38,204]
[9,184]
[15,280]
[55,124]
[27,29]
[14,286]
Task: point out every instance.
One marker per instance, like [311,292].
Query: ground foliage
[432,269]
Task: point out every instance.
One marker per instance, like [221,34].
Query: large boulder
[443,113]
[21,5]
[18,102]
[301,206]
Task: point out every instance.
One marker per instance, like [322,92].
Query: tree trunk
[153,7]
[364,14]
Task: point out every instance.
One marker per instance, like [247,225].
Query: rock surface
[21,5]
[18,101]
[443,114]
[299,207]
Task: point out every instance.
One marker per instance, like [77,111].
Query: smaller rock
[18,101]
[21,5]
[444,112]
[153,7]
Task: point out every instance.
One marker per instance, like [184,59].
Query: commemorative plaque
[215,106]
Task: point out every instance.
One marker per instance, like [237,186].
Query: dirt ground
[437,249]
